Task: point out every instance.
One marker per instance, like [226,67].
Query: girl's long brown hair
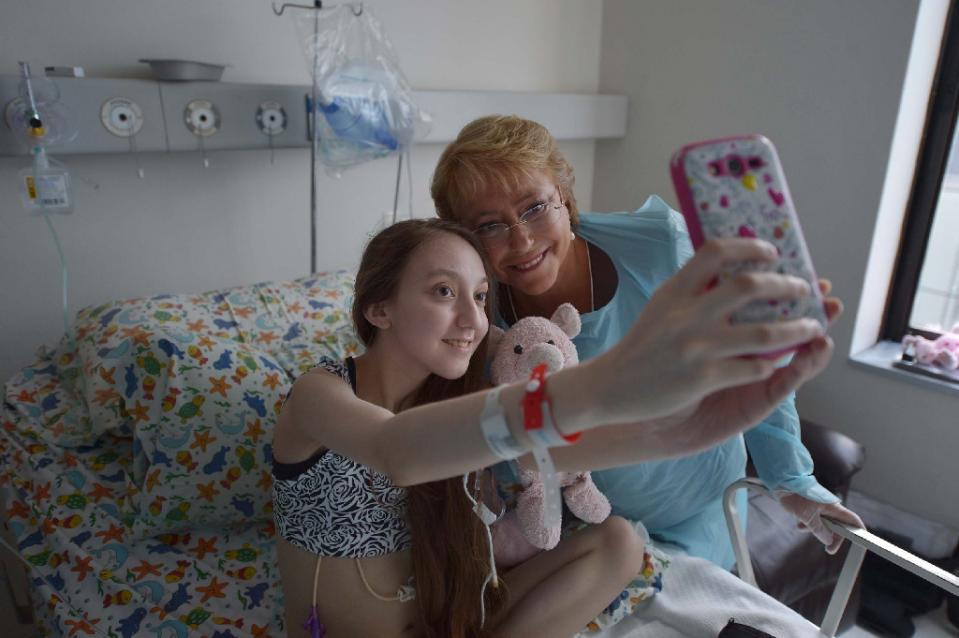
[450,552]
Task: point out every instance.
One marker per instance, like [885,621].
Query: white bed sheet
[698,600]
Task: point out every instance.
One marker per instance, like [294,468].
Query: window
[935,307]
[924,296]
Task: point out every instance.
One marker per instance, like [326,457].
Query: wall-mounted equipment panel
[236,107]
[174,116]
[98,125]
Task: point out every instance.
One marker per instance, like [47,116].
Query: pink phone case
[735,187]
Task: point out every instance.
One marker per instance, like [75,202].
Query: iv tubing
[63,272]
[25,71]
[40,160]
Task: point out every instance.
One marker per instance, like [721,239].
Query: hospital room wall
[184,228]
[823,80]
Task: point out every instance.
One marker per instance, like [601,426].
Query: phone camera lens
[735,166]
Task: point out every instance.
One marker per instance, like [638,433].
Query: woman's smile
[531,264]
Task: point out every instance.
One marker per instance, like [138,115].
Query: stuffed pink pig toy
[530,342]
[942,352]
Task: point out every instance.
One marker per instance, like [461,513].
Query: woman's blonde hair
[498,149]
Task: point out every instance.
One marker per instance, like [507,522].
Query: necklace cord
[592,292]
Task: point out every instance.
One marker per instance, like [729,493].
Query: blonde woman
[505,178]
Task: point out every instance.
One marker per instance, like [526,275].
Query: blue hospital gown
[679,500]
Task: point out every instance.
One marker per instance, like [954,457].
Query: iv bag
[365,108]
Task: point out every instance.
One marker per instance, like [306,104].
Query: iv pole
[316,8]
[357,10]
[313,135]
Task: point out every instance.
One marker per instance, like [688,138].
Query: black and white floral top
[333,506]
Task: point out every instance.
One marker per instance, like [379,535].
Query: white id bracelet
[543,439]
[495,430]
[552,503]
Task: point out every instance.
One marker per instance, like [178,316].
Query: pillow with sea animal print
[203,429]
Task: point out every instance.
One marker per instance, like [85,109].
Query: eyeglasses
[536,218]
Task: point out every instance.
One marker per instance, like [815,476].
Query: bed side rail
[861,541]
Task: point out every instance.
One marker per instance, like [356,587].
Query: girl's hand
[727,412]
[701,424]
[833,305]
[682,357]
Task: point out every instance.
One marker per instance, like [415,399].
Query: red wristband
[534,420]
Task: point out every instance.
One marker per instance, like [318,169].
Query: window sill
[884,358]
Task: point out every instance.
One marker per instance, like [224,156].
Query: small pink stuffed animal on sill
[942,352]
[528,343]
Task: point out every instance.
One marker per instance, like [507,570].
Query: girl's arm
[429,442]
[699,426]
[694,429]
[680,351]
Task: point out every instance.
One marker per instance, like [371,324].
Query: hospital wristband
[495,429]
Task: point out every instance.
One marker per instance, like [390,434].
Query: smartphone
[735,187]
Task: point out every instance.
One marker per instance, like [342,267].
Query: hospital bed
[700,598]
[135,459]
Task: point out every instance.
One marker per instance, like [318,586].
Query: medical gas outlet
[202,118]
[121,116]
[124,118]
[271,118]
